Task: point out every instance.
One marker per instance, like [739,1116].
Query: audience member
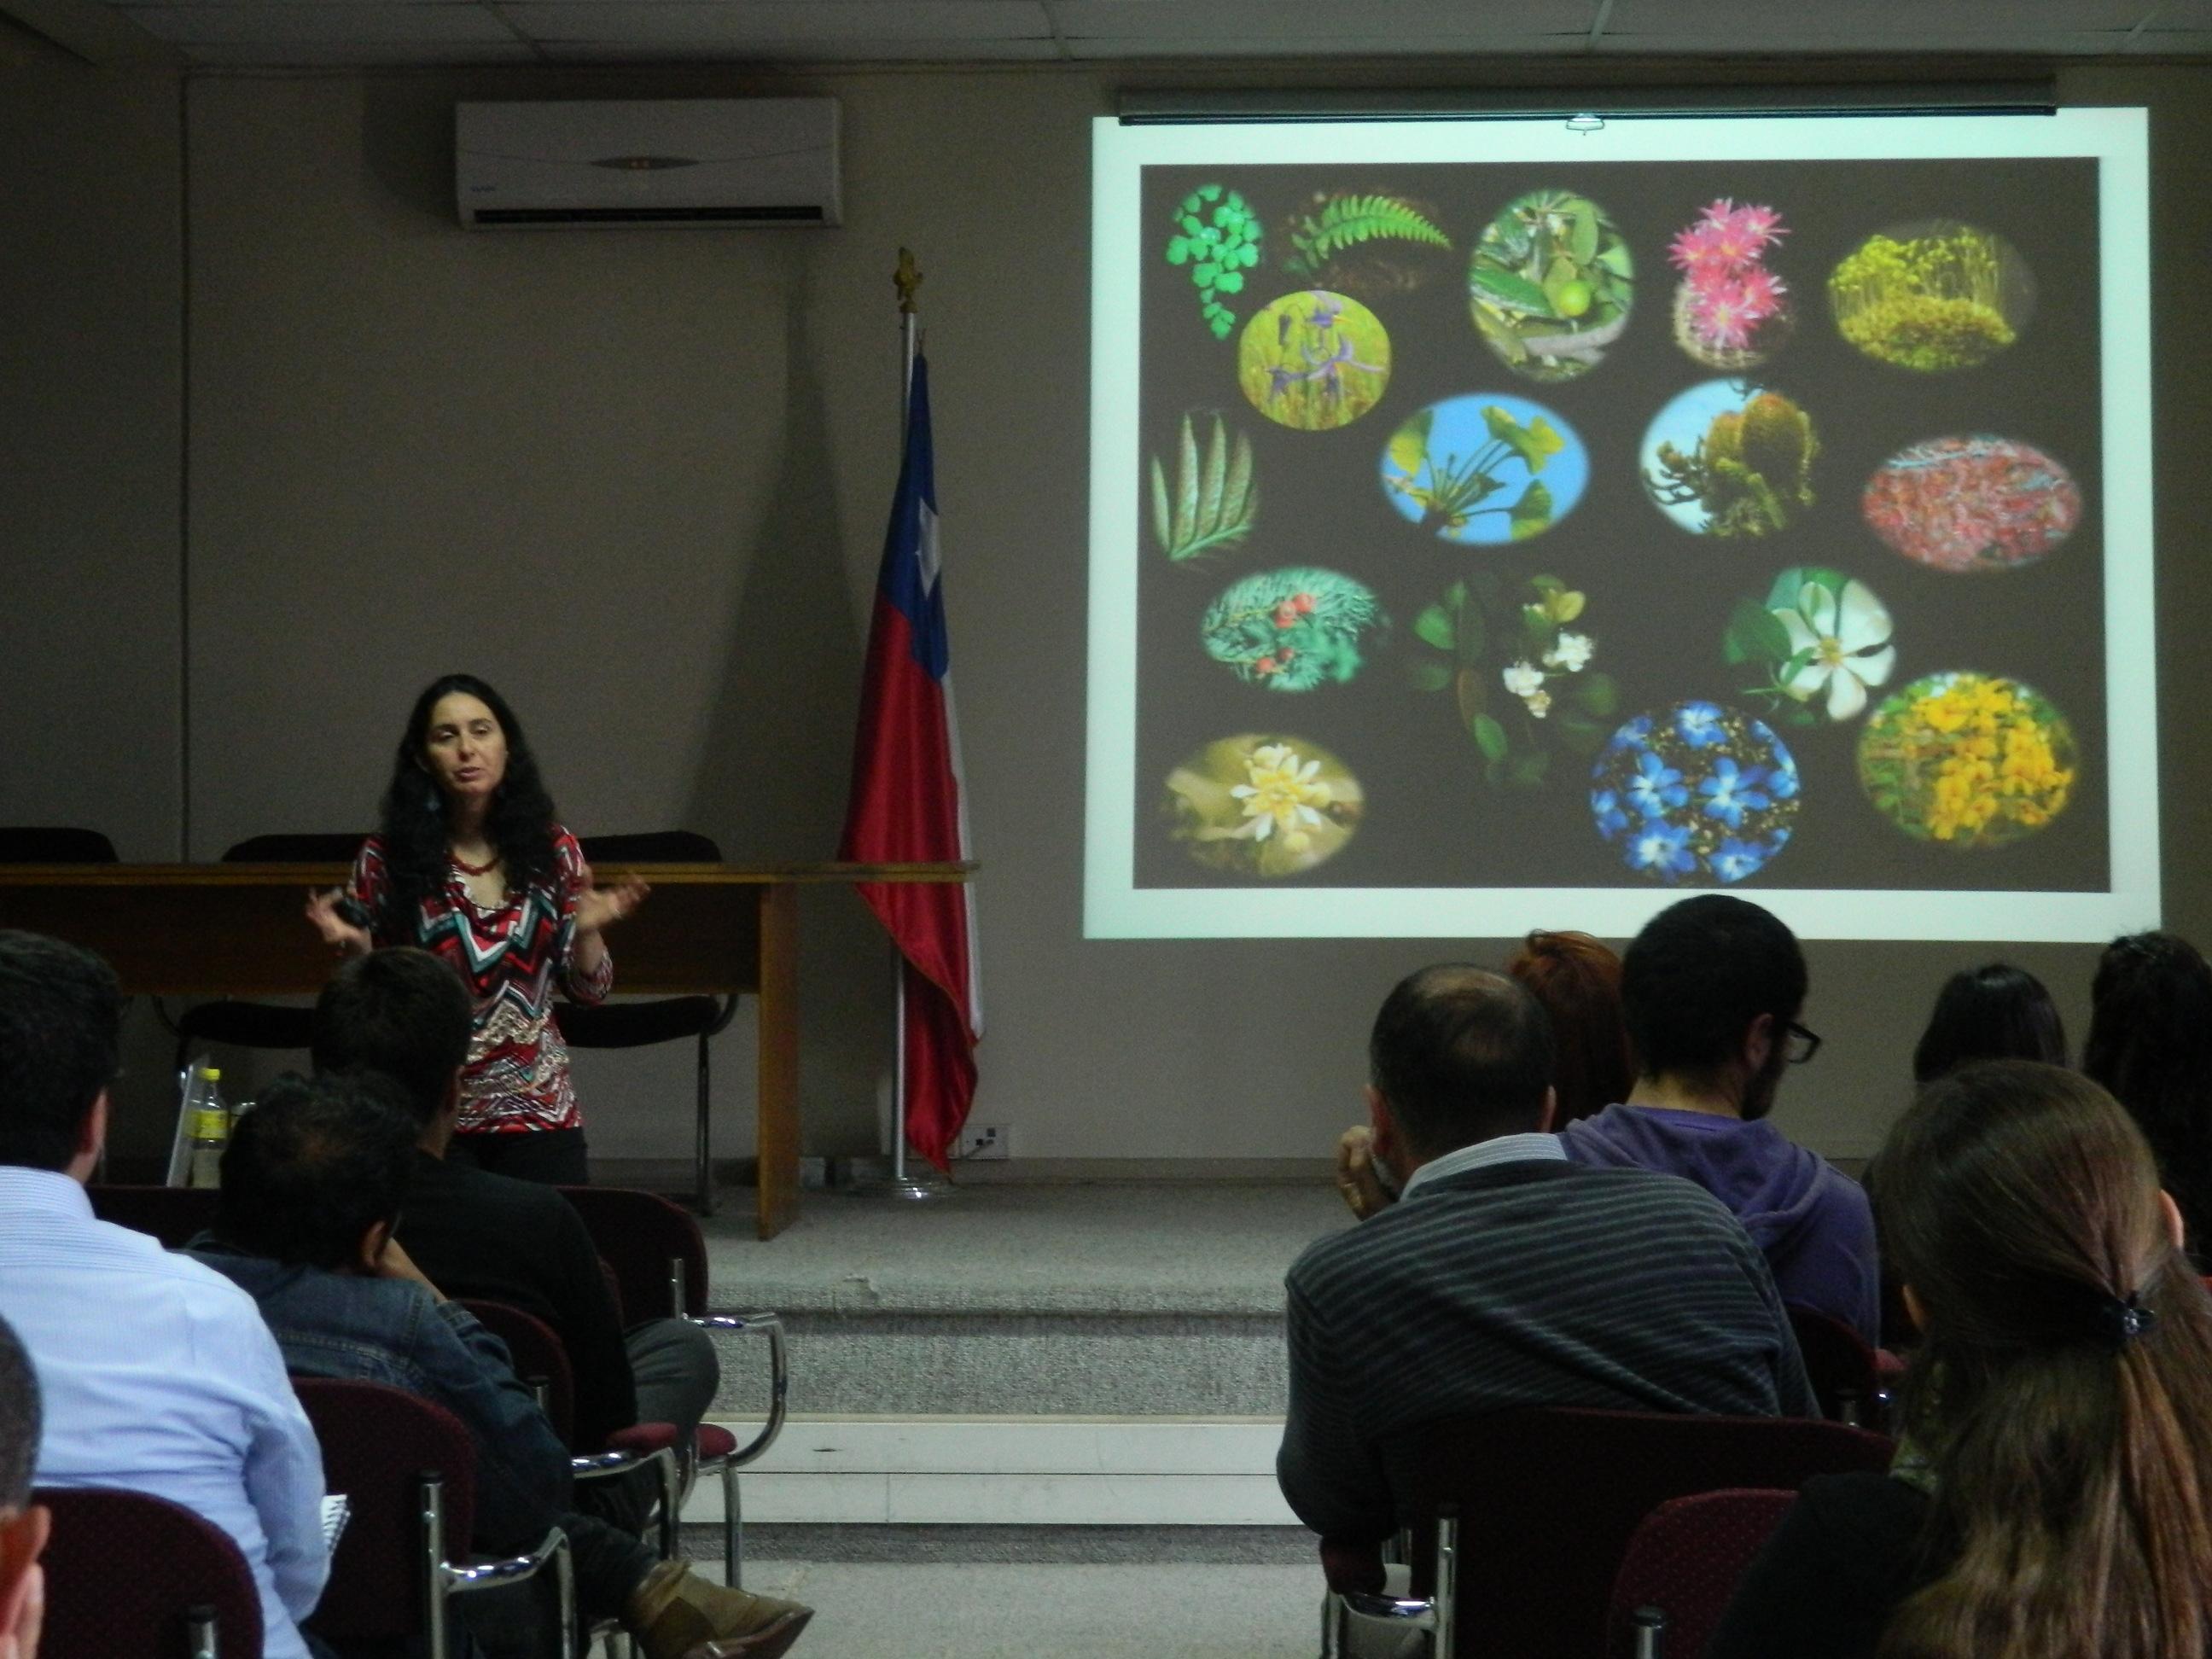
[157,1375]
[1577,979]
[2150,1044]
[1453,1302]
[312,1181]
[2051,1497]
[1712,988]
[23,1524]
[406,1014]
[1993,1012]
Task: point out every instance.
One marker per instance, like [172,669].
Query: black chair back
[61,844]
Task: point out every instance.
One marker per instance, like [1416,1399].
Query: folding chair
[262,1024]
[1684,1562]
[128,1573]
[541,1361]
[1509,1487]
[408,1472]
[663,1019]
[1846,1374]
[658,1255]
[59,844]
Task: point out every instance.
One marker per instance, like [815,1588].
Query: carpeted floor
[1117,1247]
[1147,1605]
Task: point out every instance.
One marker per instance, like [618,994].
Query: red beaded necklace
[468,869]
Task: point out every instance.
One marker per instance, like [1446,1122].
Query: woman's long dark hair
[2150,1044]
[2071,1447]
[415,831]
[1993,1012]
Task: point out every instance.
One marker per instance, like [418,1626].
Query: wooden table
[236,930]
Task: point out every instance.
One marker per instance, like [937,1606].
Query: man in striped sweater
[1508,1276]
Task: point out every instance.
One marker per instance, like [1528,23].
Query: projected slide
[1495,525]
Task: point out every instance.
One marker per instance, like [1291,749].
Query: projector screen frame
[1115,906]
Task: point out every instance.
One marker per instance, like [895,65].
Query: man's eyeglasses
[1800,1045]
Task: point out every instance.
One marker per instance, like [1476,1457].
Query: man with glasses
[1712,990]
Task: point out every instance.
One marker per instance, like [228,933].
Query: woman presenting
[470,864]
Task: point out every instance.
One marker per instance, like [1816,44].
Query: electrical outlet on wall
[981,1140]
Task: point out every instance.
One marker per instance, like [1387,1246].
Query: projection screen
[1496,525]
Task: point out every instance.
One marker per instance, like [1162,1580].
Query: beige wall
[638,479]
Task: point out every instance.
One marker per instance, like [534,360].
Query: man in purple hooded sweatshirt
[1712,989]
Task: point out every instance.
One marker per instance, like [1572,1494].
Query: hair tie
[2120,1320]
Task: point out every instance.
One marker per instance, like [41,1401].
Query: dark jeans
[553,1157]
[677,1372]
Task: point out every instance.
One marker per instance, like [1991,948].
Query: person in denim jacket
[312,1182]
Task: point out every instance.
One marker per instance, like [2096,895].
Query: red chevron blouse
[511,958]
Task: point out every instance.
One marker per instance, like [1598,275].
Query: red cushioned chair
[130,1574]
[656,1252]
[1683,1565]
[171,1214]
[1539,1506]
[542,1361]
[1846,1373]
[408,1472]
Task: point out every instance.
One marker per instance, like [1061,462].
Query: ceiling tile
[304,54]
[1268,28]
[808,52]
[1874,23]
[1109,47]
[269,24]
[755,27]
[842,20]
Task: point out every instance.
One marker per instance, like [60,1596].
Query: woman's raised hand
[337,931]
[599,908]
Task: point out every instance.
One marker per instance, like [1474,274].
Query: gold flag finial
[906,279]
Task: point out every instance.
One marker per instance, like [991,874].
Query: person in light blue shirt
[157,1374]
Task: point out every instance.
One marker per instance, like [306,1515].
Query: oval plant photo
[1550,284]
[1313,360]
[1934,297]
[1262,804]
[1486,468]
[1968,760]
[1697,792]
[1293,630]
[1977,503]
[1730,458]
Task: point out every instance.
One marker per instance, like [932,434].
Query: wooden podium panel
[238,929]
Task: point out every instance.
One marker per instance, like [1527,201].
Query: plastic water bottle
[202,1130]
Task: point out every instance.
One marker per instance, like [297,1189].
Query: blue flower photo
[1697,792]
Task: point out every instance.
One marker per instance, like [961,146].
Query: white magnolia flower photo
[1843,635]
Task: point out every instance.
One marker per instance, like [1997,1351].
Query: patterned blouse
[511,958]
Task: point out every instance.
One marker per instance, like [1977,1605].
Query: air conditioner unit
[573,165]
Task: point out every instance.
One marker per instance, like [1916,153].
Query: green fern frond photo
[1335,226]
[1213,500]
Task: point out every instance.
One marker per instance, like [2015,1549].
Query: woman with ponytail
[470,864]
[2051,1497]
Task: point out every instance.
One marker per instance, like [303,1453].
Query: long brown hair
[1578,982]
[2071,1448]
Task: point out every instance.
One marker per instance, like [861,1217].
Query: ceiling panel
[371,54]
[705,20]
[918,51]
[1993,21]
[1410,26]
[430,24]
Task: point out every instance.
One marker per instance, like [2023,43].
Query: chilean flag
[908,805]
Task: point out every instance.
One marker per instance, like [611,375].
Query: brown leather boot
[676,1614]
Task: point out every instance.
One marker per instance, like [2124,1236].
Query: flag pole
[906,279]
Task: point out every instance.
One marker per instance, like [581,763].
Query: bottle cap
[212,1073]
